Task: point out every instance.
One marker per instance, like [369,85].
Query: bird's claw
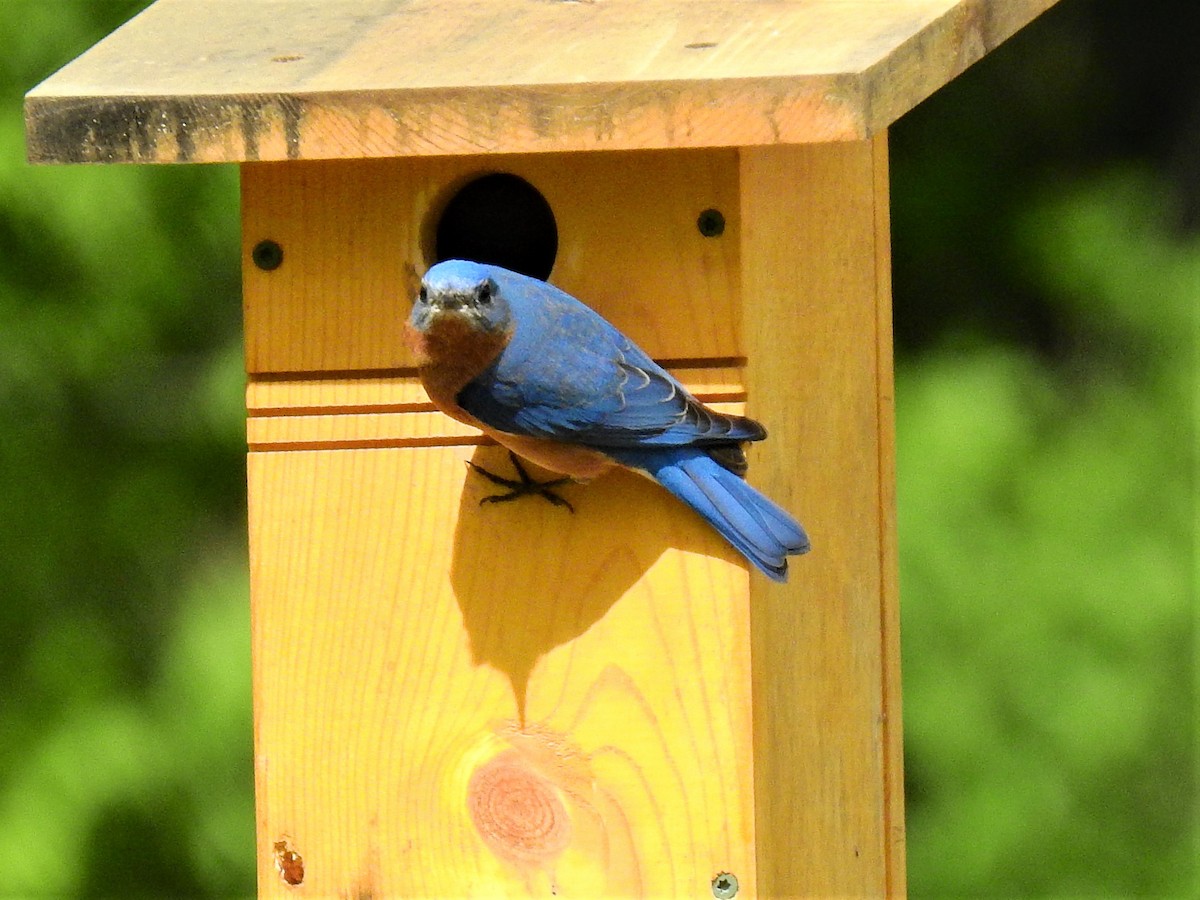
[524,486]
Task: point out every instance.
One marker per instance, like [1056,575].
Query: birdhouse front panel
[516,697]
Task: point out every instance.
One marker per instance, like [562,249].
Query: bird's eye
[423,296]
[485,292]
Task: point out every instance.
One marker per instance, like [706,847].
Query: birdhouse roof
[225,81]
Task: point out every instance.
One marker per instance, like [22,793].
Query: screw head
[267,255]
[711,223]
[724,885]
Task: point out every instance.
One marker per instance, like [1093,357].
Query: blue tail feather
[757,528]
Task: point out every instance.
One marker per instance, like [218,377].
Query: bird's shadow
[530,576]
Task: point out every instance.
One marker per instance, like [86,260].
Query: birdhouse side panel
[826,649]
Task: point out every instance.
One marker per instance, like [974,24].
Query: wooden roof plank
[216,81]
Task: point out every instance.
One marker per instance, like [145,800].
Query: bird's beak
[445,303]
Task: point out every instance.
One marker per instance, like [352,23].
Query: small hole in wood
[711,223]
[267,255]
[288,863]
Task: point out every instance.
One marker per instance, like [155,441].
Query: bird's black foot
[524,486]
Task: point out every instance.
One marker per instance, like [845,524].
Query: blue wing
[569,375]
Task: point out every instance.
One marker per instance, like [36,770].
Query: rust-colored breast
[449,355]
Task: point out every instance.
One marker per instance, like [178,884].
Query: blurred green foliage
[1047,277]
[125,732]
[1047,252]
[1047,525]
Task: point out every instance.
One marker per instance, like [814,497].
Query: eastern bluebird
[554,382]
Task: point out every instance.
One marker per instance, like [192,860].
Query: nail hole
[289,863]
[711,223]
[267,255]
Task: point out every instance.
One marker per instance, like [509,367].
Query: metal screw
[724,885]
[267,255]
[711,223]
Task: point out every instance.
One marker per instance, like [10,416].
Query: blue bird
[554,382]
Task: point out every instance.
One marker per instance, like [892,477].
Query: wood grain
[217,81]
[817,308]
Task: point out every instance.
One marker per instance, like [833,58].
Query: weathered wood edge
[973,29]
[574,117]
[250,128]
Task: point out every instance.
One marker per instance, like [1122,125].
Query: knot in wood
[518,811]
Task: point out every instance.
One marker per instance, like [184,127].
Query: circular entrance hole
[499,219]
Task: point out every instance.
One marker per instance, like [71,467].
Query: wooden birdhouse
[454,699]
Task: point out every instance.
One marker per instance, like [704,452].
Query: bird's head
[459,295]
